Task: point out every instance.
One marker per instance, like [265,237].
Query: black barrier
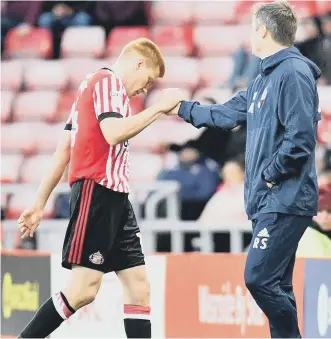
[25,286]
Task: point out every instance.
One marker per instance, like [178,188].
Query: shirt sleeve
[298,113]
[108,98]
[226,116]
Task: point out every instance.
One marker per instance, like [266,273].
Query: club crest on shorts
[96,258]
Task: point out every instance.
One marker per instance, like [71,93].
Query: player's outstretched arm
[31,217]
[226,116]
[118,130]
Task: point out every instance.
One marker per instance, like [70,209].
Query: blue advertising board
[317,298]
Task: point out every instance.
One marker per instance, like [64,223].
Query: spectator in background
[58,15]
[20,14]
[316,241]
[110,14]
[312,46]
[233,142]
[245,70]
[228,202]
[198,178]
[326,27]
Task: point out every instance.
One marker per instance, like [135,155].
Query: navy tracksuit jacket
[282,111]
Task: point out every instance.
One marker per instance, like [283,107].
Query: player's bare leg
[136,302]
[81,290]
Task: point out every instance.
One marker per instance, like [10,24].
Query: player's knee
[80,297]
[82,289]
[252,282]
[139,291]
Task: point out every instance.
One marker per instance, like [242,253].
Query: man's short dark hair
[280,21]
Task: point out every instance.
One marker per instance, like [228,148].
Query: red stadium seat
[33,168]
[144,174]
[10,165]
[303,9]
[77,69]
[164,132]
[324,93]
[180,72]
[36,42]
[46,75]
[65,104]
[83,42]
[323,6]
[120,36]
[220,40]
[324,130]
[220,95]
[20,137]
[215,71]
[137,104]
[21,200]
[214,12]
[164,12]
[7,98]
[48,137]
[11,75]
[36,105]
[174,40]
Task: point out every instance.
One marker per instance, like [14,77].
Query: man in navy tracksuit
[281,111]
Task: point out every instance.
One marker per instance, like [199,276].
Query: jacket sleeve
[226,116]
[298,114]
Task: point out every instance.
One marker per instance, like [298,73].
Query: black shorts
[102,233]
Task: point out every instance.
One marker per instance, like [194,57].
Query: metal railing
[51,234]
[151,195]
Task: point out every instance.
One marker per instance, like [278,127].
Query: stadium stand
[36,43]
[11,75]
[198,39]
[120,36]
[7,98]
[83,42]
[36,105]
[215,71]
[45,75]
[174,40]
[10,165]
[18,202]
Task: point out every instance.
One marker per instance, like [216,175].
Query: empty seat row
[45,105]
[62,74]
[36,137]
[91,41]
[53,106]
[234,11]
[17,168]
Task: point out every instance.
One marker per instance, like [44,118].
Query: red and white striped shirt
[101,95]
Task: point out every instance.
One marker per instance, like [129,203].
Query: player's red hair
[149,50]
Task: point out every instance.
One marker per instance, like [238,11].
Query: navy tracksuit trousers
[269,269]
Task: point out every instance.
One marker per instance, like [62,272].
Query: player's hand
[174,111]
[270,185]
[170,98]
[29,220]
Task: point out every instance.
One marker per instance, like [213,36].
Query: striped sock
[48,318]
[137,321]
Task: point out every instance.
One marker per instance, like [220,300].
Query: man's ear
[264,31]
[140,63]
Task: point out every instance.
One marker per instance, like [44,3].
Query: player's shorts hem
[131,265]
[67,265]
